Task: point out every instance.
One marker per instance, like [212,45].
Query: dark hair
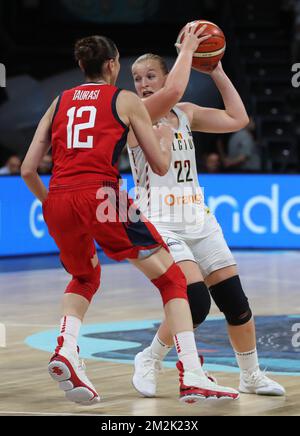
[153,57]
[93,51]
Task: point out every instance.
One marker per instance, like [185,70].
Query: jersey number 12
[75,129]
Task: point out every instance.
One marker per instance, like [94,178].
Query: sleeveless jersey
[173,202]
[87,137]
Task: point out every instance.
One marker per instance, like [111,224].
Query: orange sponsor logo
[172,200]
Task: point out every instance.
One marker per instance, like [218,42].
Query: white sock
[69,330]
[248,361]
[158,349]
[187,351]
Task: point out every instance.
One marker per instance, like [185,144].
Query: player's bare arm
[40,145]
[156,144]
[160,103]
[209,120]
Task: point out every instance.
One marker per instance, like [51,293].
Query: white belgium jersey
[175,201]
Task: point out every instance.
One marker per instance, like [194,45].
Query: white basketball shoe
[147,370]
[258,383]
[66,369]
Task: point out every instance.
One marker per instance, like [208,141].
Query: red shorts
[73,222]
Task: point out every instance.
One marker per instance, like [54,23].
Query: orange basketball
[211,51]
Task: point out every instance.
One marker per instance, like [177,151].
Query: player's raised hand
[192,38]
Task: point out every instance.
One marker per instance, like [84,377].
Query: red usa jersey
[87,137]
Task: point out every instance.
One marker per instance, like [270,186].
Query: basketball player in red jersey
[87,127]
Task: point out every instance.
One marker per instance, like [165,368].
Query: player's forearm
[159,166]
[160,162]
[179,76]
[234,106]
[35,184]
[166,154]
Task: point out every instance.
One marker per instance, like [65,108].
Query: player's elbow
[161,170]
[244,122]
[160,173]
[26,172]
[239,123]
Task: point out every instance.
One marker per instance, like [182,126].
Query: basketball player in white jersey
[174,204]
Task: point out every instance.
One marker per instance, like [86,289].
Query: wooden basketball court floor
[30,305]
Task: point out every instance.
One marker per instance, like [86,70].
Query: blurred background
[263,37]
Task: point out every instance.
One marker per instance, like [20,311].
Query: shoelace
[82,365]
[152,367]
[259,376]
[211,377]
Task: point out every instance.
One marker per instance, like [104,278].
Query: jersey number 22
[180,166]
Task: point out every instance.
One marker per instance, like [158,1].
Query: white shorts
[209,250]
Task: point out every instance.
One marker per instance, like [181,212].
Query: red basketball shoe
[194,387]
[66,369]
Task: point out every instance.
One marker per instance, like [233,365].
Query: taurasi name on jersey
[86,95]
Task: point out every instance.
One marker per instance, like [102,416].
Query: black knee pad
[200,302]
[232,301]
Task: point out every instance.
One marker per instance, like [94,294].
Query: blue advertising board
[254,211]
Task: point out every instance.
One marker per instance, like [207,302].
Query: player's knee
[200,302]
[172,285]
[232,301]
[86,286]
